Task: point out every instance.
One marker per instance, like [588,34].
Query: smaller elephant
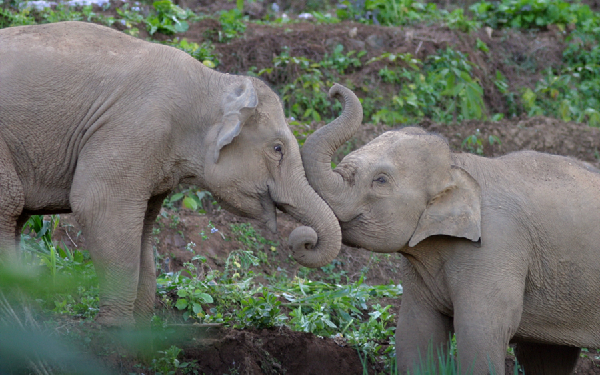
[104,125]
[495,250]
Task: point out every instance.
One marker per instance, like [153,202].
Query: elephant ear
[456,211]
[239,103]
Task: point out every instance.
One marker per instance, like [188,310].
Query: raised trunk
[322,144]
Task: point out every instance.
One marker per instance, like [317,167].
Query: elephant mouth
[350,231]
[350,224]
[267,214]
[269,207]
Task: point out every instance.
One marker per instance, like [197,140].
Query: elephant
[103,125]
[494,250]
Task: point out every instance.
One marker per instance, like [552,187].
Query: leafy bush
[565,96]
[168,363]
[440,88]
[20,18]
[340,61]
[72,287]
[454,68]
[305,98]
[261,312]
[458,20]
[388,12]
[532,14]
[232,25]
[202,52]
[168,18]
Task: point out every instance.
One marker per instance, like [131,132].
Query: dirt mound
[272,351]
[542,134]
[521,58]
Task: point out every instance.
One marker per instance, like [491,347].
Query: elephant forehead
[402,144]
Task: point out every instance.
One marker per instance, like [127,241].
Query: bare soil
[281,351]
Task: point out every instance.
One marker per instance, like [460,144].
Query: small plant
[202,52]
[130,17]
[168,18]
[201,201]
[168,363]
[317,321]
[455,70]
[240,261]
[261,312]
[250,238]
[232,25]
[388,12]
[533,14]
[72,287]
[192,299]
[457,20]
[340,61]
[474,142]
[482,46]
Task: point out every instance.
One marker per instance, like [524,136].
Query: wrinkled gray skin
[104,125]
[496,250]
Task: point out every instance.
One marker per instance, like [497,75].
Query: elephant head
[252,165]
[397,190]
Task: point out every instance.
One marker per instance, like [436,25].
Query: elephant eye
[381,180]
[277,148]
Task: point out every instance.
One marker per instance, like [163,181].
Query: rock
[376,41]
[357,45]
[254,9]
[331,43]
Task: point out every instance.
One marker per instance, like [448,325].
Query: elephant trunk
[322,144]
[319,241]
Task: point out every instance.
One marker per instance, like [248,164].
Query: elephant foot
[114,321]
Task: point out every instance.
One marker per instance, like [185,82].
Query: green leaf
[190,203]
[205,297]
[196,308]
[176,197]
[181,304]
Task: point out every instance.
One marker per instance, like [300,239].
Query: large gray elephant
[494,250]
[104,125]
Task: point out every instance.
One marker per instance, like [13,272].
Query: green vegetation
[168,18]
[232,25]
[202,52]
[233,296]
[442,87]
[388,12]
[534,14]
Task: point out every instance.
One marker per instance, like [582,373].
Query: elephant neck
[193,122]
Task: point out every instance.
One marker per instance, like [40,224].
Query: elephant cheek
[374,236]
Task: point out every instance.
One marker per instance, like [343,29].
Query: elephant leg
[112,217]
[12,202]
[483,334]
[546,359]
[146,293]
[420,329]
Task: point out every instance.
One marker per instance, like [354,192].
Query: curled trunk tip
[303,241]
